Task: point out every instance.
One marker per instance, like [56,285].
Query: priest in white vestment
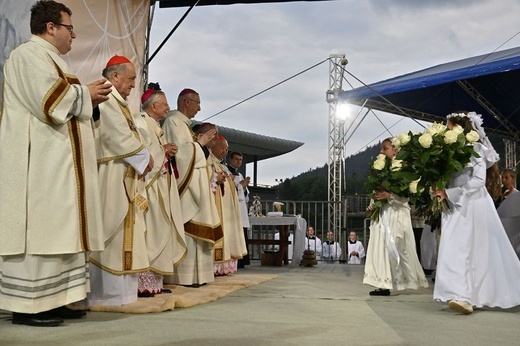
[123,162]
[232,246]
[50,213]
[165,239]
[234,163]
[201,221]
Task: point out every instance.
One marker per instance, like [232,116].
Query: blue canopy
[487,84]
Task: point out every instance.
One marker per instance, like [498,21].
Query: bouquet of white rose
[390,175]
[434,156]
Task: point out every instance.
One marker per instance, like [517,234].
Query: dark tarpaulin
[487,84]
[186,3]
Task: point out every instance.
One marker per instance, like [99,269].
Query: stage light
[343,111]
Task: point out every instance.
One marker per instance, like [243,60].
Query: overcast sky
[229,53]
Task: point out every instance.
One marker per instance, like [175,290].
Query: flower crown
[460,115]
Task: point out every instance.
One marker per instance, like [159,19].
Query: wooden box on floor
[271,258]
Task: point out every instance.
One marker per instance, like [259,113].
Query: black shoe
[66,313]
[165,290]
[379,292]
[145,295]
[42,319]
[428,272]
[195,285]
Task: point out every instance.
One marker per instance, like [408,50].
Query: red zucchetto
[116,60]
[188,91]
[146,95]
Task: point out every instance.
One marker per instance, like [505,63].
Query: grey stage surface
[323,305]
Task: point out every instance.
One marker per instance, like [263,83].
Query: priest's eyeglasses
[70,28]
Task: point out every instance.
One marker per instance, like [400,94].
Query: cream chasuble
[201,221]
[165,238]
[200,215]
[123,195]
[233,245]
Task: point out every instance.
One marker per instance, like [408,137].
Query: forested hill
[313,184]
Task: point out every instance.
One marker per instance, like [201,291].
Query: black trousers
[245,260]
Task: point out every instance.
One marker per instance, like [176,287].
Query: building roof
[256,147]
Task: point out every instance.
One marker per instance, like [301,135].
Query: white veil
[490,156]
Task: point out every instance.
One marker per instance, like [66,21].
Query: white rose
[450,137]
[472,136]
[404,138]
[396,165]
[436,128]
[396,143]
[457,129]
[426,140]
[431,130]
[381,157]
[413,186]
[440,127]
[379,164]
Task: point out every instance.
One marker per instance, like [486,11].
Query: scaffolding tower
[336,144]
[510,151]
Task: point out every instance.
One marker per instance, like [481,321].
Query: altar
[282,224]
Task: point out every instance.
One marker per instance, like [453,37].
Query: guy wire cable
[263,91]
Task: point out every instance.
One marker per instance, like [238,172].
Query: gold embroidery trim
[128,237]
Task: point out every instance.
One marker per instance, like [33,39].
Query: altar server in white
[313,243]
[356,251]
[331,249]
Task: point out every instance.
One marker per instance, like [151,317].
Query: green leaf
[456,164]
[424,157]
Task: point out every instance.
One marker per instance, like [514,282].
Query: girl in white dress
[476,264]
[391,259]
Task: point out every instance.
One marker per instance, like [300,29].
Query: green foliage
[433,157]
[391,175]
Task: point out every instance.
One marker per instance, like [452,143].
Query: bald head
[220,149]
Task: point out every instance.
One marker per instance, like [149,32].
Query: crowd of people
[100,204]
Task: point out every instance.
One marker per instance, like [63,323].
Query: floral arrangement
[425,161]
[390,175]
[431,158]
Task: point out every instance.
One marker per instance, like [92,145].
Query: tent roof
[487,84]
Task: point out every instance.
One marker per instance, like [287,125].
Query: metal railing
[316,213]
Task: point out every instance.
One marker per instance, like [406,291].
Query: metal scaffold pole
[336,144]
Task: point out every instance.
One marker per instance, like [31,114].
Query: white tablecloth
[300,226]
